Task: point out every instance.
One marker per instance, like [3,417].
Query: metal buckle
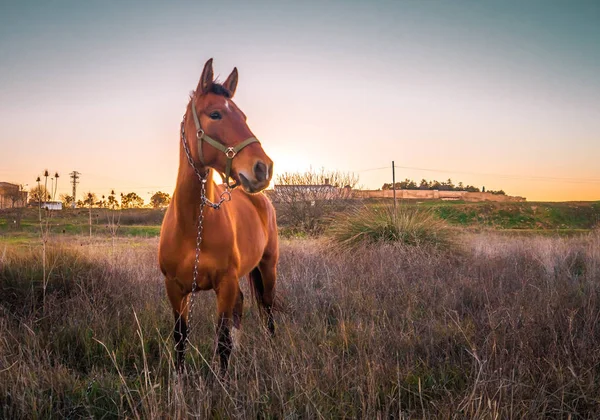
[230,153]
[225,196]
[199,134]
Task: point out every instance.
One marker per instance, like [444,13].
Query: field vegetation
[300,219]
[469,324]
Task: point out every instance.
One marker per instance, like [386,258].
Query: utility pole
[394,187]
[74,180]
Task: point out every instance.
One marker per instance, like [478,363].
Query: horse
[213,235]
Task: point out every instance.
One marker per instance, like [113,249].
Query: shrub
[408,225]
[306,201]
[141,217]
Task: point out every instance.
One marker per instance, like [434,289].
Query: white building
[52,205]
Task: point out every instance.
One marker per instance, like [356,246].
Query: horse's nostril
[260,171]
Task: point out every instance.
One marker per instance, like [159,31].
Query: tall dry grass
[369,225]
[506,329]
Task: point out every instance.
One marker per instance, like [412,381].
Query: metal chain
[204,201]
[197,258]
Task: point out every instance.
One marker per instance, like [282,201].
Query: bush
[409,226]
[141,216]
[306,201]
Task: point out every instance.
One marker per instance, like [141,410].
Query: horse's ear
[206,80]
[231,82]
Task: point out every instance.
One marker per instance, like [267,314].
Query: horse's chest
[213,262]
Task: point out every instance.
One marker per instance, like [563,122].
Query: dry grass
[368,225]
[506,329]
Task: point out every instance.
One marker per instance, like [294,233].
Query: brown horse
[239,237]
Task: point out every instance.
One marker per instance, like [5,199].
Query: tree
[160,199]
[66,199]
[112,201]
[112,217]
[101,202]
[447,185]
[131,200]
[435,185]
[39,194]
[305,198]
[407,184]
[54,185]
[89,199]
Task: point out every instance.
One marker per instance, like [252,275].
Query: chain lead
[197,258]
[204,201]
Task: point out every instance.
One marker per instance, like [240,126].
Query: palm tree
[55,185]
[39,199]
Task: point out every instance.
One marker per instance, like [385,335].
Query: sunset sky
[501,94]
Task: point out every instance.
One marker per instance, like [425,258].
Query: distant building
[12,196]
[52,205]
[439,195]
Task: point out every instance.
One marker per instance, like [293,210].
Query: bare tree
[305,199]
[38,194]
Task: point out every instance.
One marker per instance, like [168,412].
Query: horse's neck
[188,190]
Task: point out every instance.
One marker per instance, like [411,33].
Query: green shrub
[409,226]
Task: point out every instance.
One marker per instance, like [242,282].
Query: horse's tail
[257,289]
[256,285]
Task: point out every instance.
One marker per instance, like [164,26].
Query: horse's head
[224,140]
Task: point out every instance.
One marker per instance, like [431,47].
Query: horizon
[502,95]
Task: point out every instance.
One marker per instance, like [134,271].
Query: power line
[372,169]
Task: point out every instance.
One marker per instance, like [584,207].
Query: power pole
[74,180]
[394,186]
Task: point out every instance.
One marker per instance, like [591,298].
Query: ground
[502,326]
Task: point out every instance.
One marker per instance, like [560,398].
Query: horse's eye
[215,115]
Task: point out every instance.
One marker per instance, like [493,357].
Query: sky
[502,94]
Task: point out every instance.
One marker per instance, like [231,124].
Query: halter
[230,152]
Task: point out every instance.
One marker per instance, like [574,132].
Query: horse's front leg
[227,295]
[178,301]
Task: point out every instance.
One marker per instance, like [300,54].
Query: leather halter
[230,152]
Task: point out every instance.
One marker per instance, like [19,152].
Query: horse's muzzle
[262,174]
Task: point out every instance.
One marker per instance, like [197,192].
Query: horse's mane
[217,89]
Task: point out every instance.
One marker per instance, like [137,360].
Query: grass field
[534,217]
[499,326]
